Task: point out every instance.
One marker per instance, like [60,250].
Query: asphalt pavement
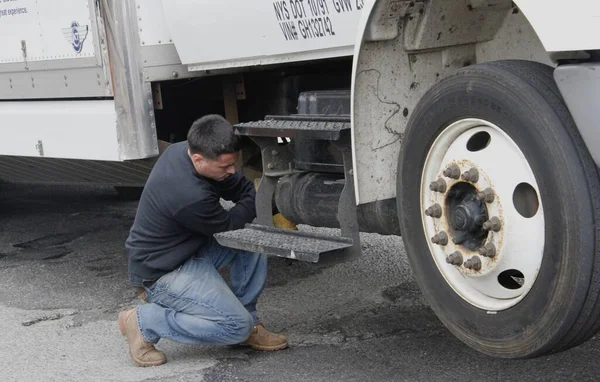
[63,280]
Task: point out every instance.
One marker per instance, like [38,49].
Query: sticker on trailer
[76,35]
[266,30]
[300,23]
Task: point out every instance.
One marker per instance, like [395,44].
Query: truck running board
[283,243]
[323,125]
[292,126]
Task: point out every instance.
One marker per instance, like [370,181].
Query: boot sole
[122,317]
[268,348]
[146,364]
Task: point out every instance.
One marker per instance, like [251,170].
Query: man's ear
[198,158]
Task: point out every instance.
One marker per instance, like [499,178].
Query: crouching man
[174,260]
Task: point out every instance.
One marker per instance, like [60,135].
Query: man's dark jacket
[178,213]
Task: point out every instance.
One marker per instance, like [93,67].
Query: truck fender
[561,27]
[402,48]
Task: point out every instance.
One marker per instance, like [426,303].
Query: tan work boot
[142,353]
[262,339]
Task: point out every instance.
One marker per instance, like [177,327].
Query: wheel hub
[479,233]
[463,224]
[469,216]
[466,216]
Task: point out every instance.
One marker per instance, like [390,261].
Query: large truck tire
[498,201]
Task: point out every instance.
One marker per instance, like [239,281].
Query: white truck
[470,127]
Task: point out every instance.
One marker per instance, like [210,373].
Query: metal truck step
[298,125]
[282,243]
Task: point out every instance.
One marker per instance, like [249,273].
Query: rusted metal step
[271,241]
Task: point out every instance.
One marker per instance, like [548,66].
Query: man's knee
[240,327]
[246,327]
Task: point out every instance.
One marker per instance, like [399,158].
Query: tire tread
[537,81]
[540,76]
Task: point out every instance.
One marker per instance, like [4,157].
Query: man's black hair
[211,136]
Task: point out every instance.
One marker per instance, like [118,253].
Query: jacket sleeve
[208,217]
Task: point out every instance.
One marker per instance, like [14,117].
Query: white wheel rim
[520,241]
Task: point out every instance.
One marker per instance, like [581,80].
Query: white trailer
[467,126]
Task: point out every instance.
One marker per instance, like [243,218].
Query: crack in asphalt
[52,246]
[50,253]
[52,240]
[340,339]
[51,317]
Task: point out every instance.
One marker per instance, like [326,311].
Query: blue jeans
[194,305]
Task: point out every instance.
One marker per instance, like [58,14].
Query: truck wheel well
[405,52]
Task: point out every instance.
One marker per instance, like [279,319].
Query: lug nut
[473,263]
[486,195]
[453,171]
[471,176]
[455,258]
[492,225]
[488,250]
[439,186]
[440,238]
[434,211]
